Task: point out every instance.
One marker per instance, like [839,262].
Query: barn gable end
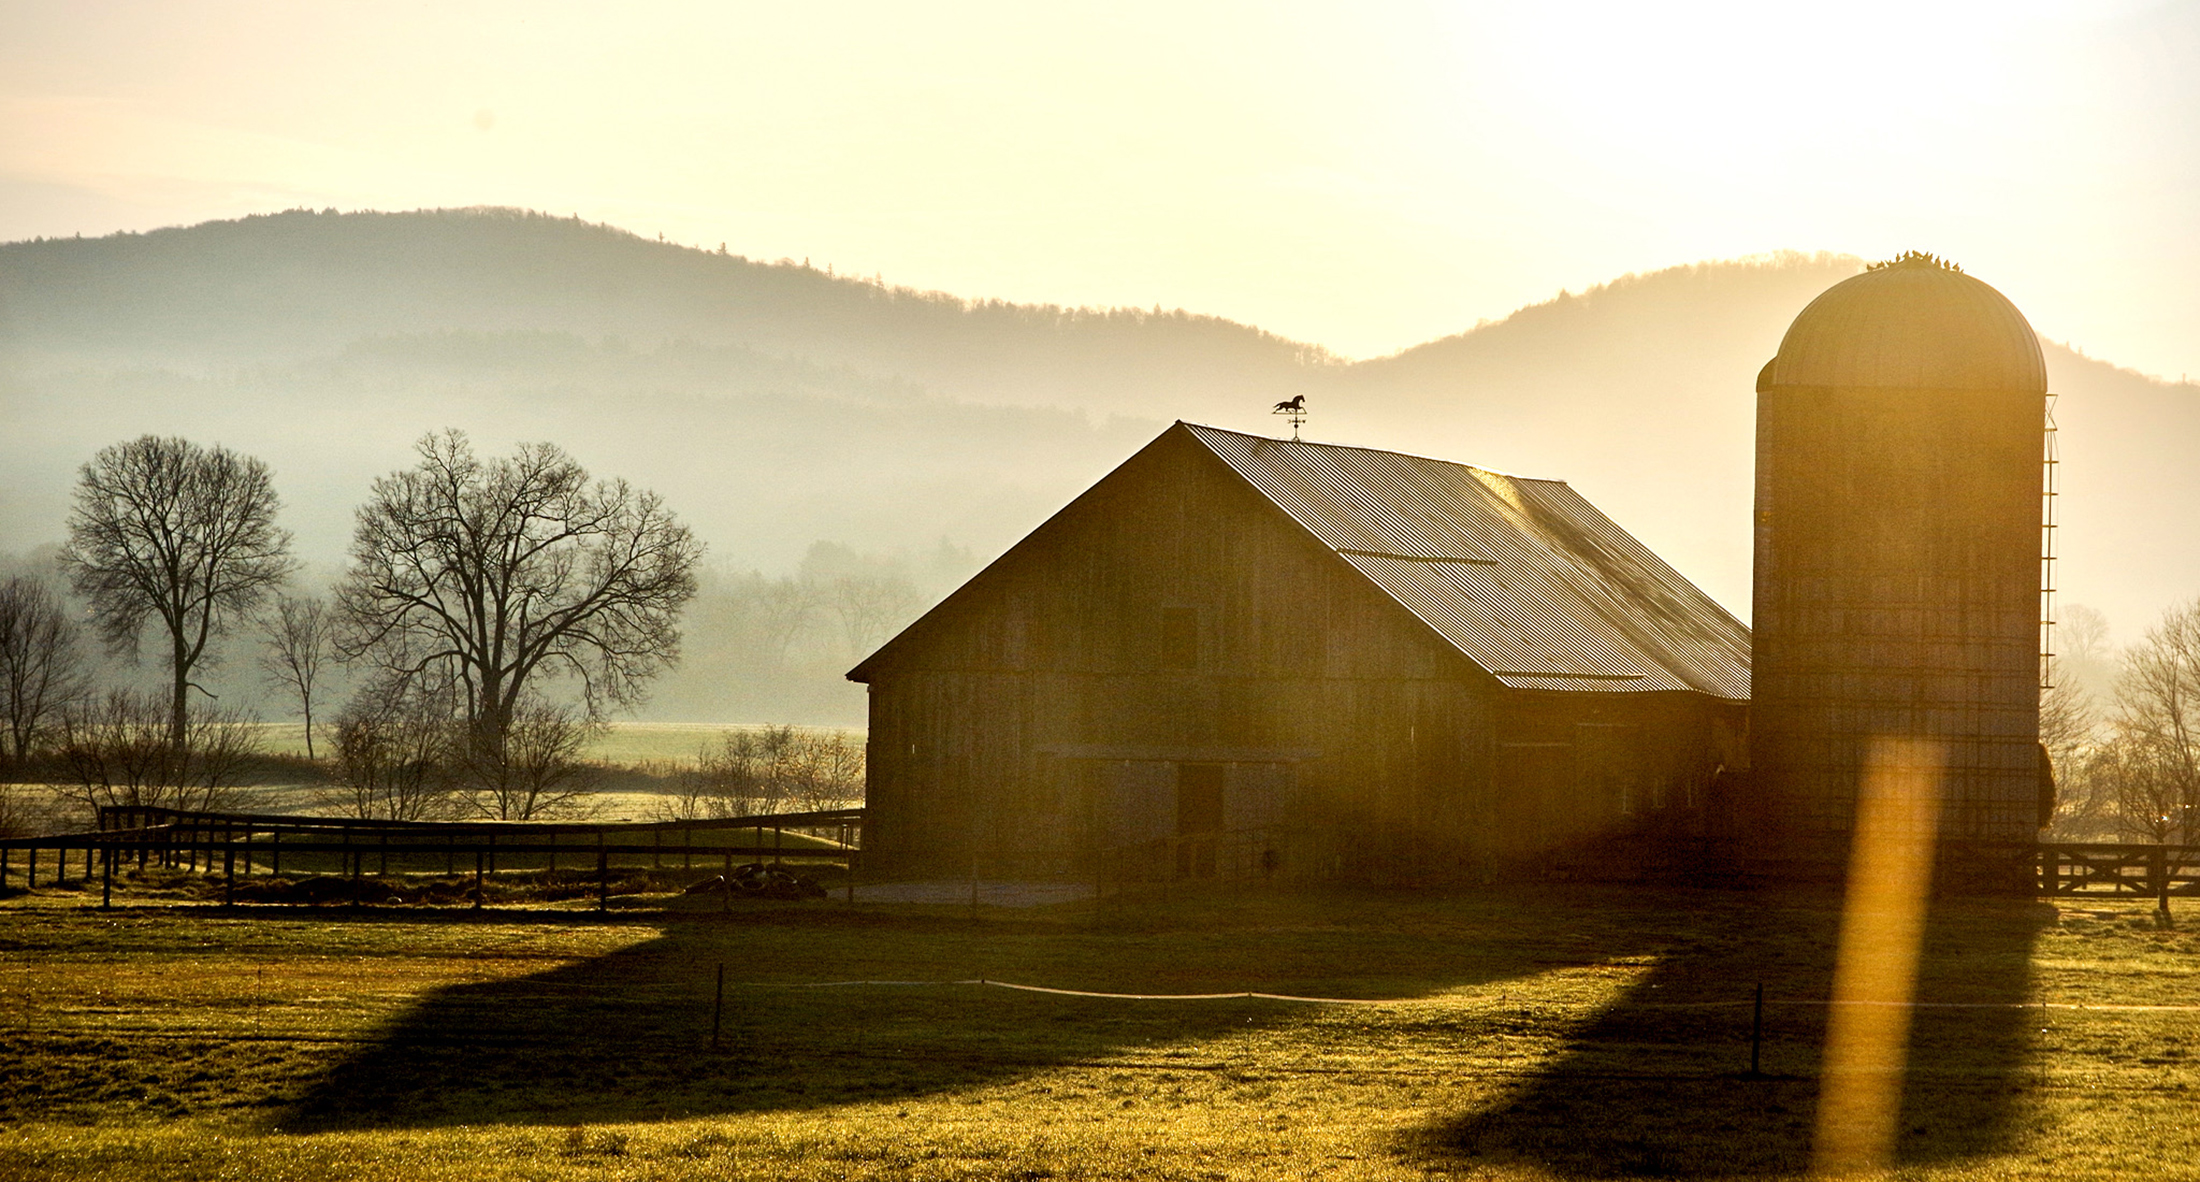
[1251,656]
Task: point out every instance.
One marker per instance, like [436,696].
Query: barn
[1240,656]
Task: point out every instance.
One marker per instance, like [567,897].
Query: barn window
[1179,638]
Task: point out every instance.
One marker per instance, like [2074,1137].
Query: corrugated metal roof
[1524,577]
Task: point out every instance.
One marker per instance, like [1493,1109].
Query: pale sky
[1364,176]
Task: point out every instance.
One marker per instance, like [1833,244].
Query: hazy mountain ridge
[775,405]
[299,284]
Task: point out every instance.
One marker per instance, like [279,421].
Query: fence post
[479,890]
[1757,1032]
[107,878]
[229,875]
[2158,872]
[30,869]
[603,874]
[718,1006]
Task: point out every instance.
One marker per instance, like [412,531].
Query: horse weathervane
[1294,411]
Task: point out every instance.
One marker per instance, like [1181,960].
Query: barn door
[1532,782]
[1199,816]
[1610,769]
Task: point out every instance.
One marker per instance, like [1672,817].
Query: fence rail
[171,837]
[260,841]
[2131,871]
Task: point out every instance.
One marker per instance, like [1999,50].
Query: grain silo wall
[1897,593]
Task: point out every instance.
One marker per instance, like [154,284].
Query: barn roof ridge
[1522,576]
[1383,451]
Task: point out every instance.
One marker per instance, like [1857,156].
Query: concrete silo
[1898,556]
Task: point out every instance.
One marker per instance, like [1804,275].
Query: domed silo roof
[1915,323]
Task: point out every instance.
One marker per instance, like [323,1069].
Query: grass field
[621,743]
[1571,1032]
[636,758]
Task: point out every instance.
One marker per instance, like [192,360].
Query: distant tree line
[778,646]
[493,613]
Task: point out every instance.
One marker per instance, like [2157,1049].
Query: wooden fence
[255,842]
[248,844]
[2129,871]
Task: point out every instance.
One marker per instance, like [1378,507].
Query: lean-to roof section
[1524,577]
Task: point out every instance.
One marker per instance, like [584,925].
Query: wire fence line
[1457,999]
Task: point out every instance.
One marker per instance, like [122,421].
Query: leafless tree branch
[41,666]
[512,572]
[166,531]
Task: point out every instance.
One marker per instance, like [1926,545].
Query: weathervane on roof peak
[1293,410]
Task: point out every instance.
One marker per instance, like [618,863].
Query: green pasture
[1517,1034]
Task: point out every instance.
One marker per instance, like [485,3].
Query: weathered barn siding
[1172,631]
[1605,776]
[1048,691]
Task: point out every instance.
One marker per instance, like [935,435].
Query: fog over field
[833,426]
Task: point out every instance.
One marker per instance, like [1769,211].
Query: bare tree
[2083,632]
[121,750]
[14,815]
[41,665]
[772,769]
[784,607]
[2070,725]
[168,531]
[871,607]
[742,775]
[393,748]
[2157,727]
[830,771]
[2136,776]
[512,571]
[295,653]
[539,771]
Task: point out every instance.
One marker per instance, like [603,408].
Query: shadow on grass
[627,1036]
[1655,1085]
[1659,1085]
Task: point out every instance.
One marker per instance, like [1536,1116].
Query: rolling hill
[776,405]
